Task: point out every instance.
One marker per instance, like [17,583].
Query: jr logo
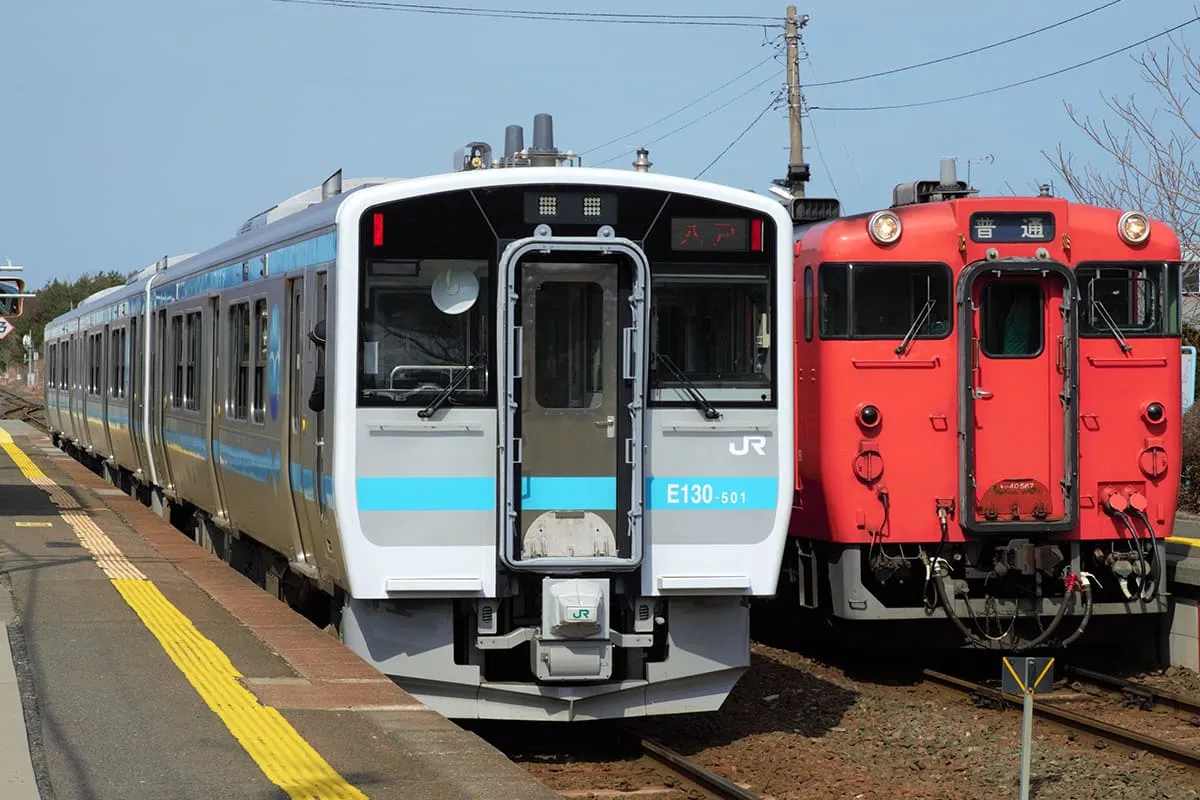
[758,443]
[581,613]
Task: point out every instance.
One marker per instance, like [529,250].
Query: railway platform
[1183,578]
[136,665]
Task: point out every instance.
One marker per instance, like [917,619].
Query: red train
[988,414]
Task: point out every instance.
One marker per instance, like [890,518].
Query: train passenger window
[1139,299]
[569,345]
[808,304]
[1010,320]
[715,324]
[409,348]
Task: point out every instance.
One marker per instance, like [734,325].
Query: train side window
[1010,320]
[835,300]
[808,304]
[569,345]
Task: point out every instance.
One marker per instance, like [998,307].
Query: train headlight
[884,227]
[1134,227]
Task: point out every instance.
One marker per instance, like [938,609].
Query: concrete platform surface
[142,667]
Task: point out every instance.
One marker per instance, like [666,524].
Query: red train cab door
[1018,413]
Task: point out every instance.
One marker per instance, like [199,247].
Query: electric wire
[679,110]
[965,53]
[773,77]
[711,20]
[738,138]
[1025,82]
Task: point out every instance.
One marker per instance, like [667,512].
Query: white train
[554,460]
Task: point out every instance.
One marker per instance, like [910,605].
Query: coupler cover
[573,643]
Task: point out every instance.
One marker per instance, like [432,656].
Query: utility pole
[798,171]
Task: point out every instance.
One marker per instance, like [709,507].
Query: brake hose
[1150,589]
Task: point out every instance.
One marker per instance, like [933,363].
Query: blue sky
[135,128]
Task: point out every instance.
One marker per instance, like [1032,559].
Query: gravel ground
[797,728]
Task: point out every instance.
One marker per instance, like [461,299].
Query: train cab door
[575,364]
[1019,414]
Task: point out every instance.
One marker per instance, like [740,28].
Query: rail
[706,779]
[1075,721]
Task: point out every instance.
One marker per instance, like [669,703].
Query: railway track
[717,786]
[1137,694]
[23,407]
[608,759]
[1084,723]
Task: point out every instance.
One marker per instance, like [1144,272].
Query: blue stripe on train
[545,493]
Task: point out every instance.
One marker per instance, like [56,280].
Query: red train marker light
[378,222]
[756,235]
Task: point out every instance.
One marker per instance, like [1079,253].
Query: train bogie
[552,460]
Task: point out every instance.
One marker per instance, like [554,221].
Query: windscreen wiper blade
[916,326]
[701,401]
[1111,324]
[442,396]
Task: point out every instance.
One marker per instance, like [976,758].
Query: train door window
[261,326]
[116,361]
[835,300]
[95,365]
[1010,320]
[570,345]
[192,361]
[240,355]
[808,304]
[177,361]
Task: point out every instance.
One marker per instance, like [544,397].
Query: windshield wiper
[444,394]
[1111,324]
[916,326]
[701,401]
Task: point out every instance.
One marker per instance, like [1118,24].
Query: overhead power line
[711,20]
[681,109]
[964,53]
[1025,82]
[773,77]
[738,138]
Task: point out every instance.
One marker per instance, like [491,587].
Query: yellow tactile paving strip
[280,751]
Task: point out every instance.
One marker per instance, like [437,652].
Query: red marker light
[378,230]
[756,242]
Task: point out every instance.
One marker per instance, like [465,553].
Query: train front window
[1135,299]
[415,336]
[885,301]
[715,326]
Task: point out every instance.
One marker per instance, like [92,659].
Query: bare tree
[1151,166]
